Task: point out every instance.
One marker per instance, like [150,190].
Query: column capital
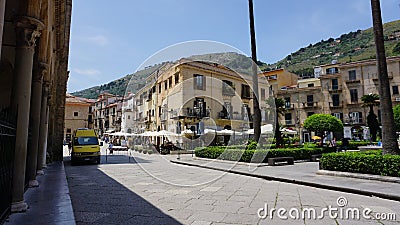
[40,72]
[28,29]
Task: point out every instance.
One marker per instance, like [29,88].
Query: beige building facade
[337,90]
[107,111]
[78,114]
[194,96]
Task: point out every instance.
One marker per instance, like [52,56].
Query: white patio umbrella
[288,131]
[148,134]
[165,133]
[265,129]
[209,131]
[118,134]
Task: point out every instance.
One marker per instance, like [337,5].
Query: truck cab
[85,146]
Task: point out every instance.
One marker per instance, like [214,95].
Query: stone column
[2,14]
[27,30]
[36,100]
[41,159]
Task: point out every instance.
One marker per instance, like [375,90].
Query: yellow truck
[85,146]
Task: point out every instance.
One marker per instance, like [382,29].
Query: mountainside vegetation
[354,46]
[350,47]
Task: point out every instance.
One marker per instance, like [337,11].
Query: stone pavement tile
[198,207]
[199,222]
[241,198]
[249,210]
[182,214]
[228,208]
[201,202]
[210,216]
[211,189]
[232,218]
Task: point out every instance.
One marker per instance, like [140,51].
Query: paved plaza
[136,188]
[149,189]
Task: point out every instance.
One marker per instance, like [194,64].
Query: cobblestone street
[123,192]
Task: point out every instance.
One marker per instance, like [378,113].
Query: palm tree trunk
[389,140]
[256,106]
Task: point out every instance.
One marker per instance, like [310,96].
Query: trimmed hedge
[236,154]
[353,145]
[371,162]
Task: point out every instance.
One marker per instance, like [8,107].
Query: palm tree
[389,140]
[277,106]
[370,101]
[256,105]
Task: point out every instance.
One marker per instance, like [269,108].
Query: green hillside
[118,87]
[354,46]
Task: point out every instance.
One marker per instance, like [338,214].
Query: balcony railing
[310,104]
[287,122]
[335,104]
[228,91]
[353,81]
[335,88]
[289,106]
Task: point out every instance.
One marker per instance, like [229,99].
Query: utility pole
[256,105]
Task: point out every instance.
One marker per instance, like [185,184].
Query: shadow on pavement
[99,199]
[111,159]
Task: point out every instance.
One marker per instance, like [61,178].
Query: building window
[352,75]
[263,94]
[310,114]
[170,81]
[335,84]
[287,102]
[335,100]
[199,82]
[76,114]
[165,85]
[353,95]
[288,118]
[246,91]
[310,85]
[129,117]
[227,88]
[159,87]
[332,70]
[338,115]
[176,78]
[68,130]
[355,117]
[310,100]
[395,90]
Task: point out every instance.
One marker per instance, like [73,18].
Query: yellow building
[193,95]
[278,79]
[78,114]
[337,90]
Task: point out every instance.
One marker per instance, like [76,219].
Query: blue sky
[110,39]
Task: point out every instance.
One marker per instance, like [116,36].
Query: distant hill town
[354,46]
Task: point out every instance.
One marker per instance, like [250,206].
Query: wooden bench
[272,161]
[316,157]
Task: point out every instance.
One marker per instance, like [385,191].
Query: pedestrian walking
[110,148]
